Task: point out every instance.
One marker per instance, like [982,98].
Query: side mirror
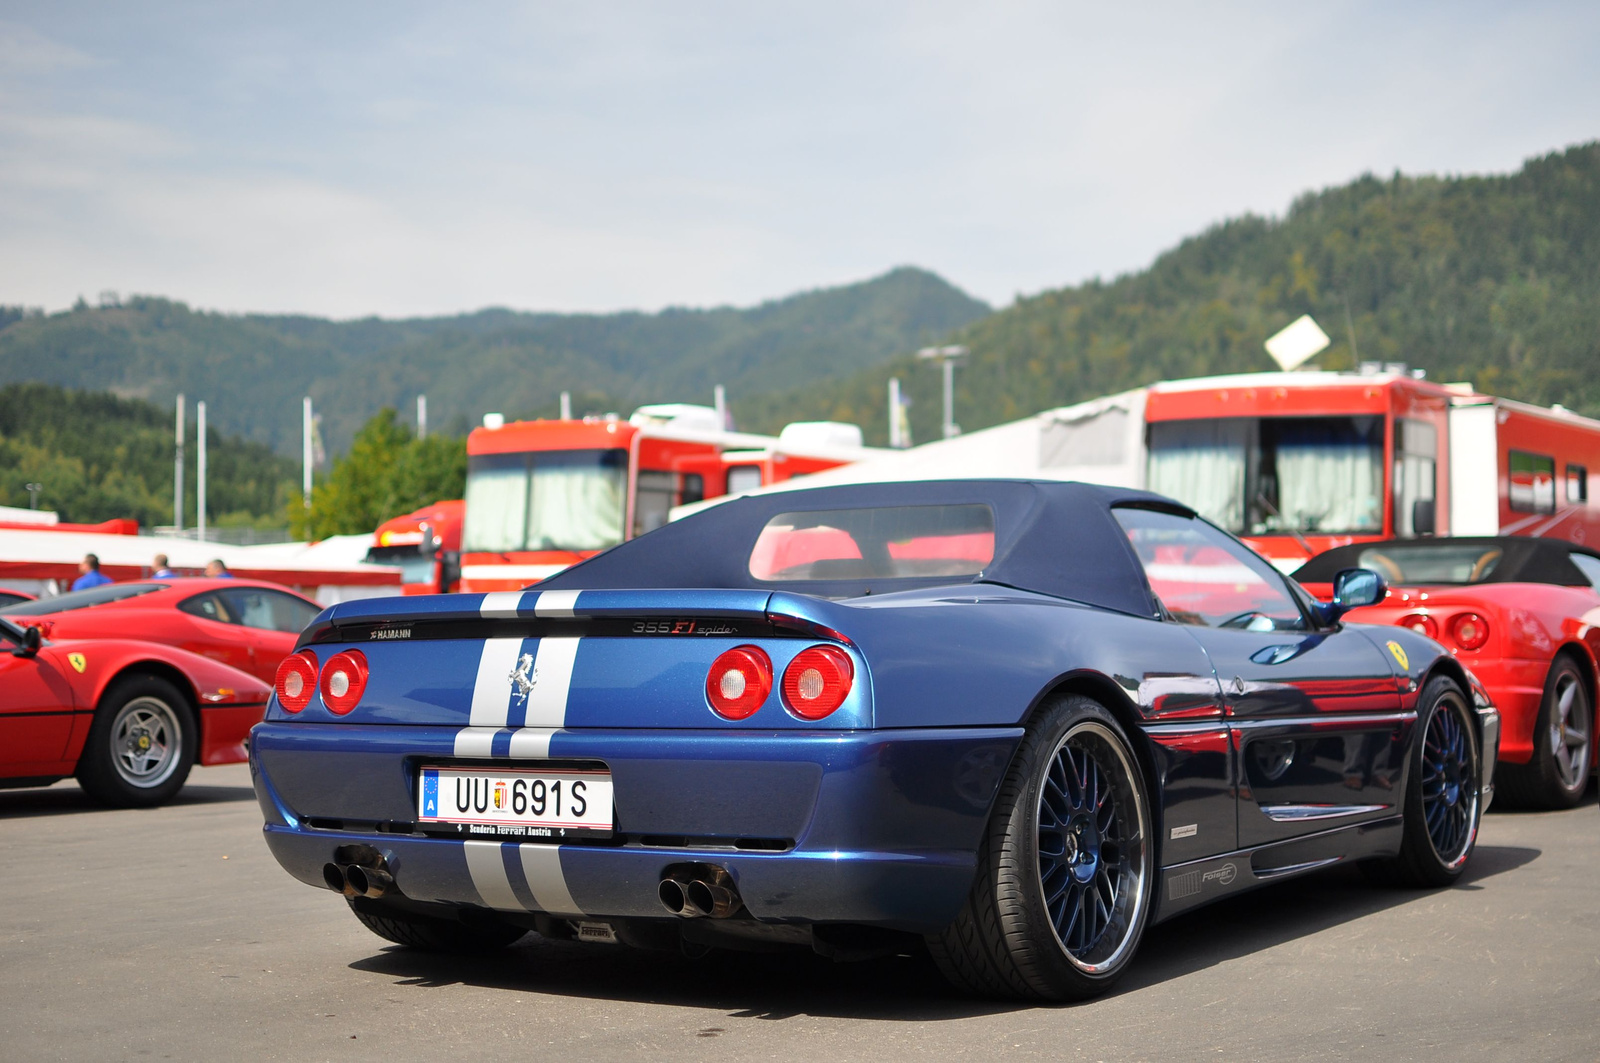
[1422,517]
[1352,588]
[32,639]
[1355,587]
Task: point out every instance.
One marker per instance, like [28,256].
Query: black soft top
[1523,560]
[1054,537]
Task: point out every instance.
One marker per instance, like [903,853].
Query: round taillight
[1470,631]
[344,680]
[296,679]
[739,682]
[817,681]
[1421,623]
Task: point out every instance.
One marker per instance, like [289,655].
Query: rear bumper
[225,731]
[878,827]
[1516,686]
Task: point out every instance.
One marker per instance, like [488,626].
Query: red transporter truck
[426,544]
[542,495]
[1298,463]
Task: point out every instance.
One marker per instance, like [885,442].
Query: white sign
[1300,341]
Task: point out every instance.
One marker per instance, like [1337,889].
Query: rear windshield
[1433,562]
[62,603]
[893,542]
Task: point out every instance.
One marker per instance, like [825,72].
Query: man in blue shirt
[90,576]
[160,568]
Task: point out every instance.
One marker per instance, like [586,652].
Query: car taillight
[1470,631]
[817,681]
[1421,623]
[344,680]
[739,682]
[296,680]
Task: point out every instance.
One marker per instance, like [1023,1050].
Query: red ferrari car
[128,718]
[1524,616]
[11,597]
[247,624]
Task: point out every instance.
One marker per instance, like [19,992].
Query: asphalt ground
[171,934]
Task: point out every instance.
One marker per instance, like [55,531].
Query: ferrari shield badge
[78,662]
[1400,655]
[523,677]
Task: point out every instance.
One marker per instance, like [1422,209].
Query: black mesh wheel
[1443,793]
[1065,871]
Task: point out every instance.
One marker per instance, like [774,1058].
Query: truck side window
[742,478]
[1533,482]
[1577,484]
[1416,455]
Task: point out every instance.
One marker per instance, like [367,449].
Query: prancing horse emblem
[523,677]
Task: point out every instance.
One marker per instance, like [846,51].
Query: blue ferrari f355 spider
[1015,721]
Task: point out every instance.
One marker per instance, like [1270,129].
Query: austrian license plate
[515,802]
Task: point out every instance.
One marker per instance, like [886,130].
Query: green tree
[387,472]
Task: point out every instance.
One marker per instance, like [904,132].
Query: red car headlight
[344,680]
[296,680]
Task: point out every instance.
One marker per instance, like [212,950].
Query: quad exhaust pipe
[353,880]
[697,896]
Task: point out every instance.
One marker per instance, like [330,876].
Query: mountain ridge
[252,369]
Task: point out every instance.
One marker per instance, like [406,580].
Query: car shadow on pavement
[1272,915]
[67,798]
[776,985]
[904,988]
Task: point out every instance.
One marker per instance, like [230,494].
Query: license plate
[515,802]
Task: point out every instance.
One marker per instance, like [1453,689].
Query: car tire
[1443,793]
[1563,738]
[431,933]
[141,745]
[1071,827]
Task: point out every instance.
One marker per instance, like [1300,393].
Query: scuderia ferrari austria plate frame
[461,801]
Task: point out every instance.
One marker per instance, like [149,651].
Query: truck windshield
[1274,475]
[545,500]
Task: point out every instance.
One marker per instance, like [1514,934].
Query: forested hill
[98,457]
[1495,280]
[253,369]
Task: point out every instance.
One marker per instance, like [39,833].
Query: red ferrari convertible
[128,718]
[1524,616]
[246,624]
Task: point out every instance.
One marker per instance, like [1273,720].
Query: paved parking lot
[172,934]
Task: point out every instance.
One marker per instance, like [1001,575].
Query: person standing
[217,570]
[89,574]
[160,570]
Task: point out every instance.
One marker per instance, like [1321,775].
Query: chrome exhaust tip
[674,898]
[333,877]
[368,881]
[710,899]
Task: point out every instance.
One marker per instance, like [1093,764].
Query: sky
[406,159]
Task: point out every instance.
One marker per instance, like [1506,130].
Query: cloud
[630,155]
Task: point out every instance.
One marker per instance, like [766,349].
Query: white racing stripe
[500,605]
[478,741]
[529,743]
[542,865]
[555,603]
[489,876]
[491,692]
[546,713]
[547,702]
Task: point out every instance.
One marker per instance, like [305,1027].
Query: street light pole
[947,357]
